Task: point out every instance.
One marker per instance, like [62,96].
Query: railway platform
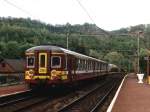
[6,90]
[133,97]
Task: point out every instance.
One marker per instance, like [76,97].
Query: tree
[2,49]
[12,50]
[143,63]
[23,48]
[114,57]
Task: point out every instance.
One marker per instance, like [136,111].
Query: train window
[55,61]
[79,65]
[103,66]
[88,65]
[91,65]
[65,62]
[42,61]
[30,61]
[100,66]
[82,64]
[85,67]
[95,65]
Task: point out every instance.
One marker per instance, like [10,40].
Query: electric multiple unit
[55,65]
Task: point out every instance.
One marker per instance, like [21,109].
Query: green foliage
[18,34]
[12,50]
[114,57]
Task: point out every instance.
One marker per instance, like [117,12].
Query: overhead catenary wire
[19,8]
[88,14]
[85,10]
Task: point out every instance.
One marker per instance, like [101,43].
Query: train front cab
[46,67]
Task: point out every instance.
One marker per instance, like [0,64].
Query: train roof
[44,47]
[62,50]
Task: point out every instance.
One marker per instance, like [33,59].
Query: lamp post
[138,51]
[140,75]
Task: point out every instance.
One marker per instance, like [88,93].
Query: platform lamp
[140,75]
[138,51]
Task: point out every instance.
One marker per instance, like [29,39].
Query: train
[53,65]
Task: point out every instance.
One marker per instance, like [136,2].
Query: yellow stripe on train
[41,77]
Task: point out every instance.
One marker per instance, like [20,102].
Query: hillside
[26,33]
[18,34]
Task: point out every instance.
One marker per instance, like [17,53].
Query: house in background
[12,66]
[11,70]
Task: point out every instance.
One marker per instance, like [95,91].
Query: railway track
[62,101]
[91,101]
[24,100]
[57,103]
[15,97]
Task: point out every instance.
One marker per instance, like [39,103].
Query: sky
[106,14]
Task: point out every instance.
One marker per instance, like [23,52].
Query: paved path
[133,97]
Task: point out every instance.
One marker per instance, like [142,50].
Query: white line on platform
[13,93]
[115,97]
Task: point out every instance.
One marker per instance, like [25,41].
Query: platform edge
[109,109]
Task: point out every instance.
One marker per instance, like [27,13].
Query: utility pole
[67,35]
[67,40]
[138,52]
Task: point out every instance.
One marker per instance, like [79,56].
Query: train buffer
[132,97]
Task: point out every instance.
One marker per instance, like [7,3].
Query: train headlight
[31,72]
[53,73]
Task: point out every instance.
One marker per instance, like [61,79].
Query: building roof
[18,65]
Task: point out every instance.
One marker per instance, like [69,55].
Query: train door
[69,67]
[43,63]
[73,69]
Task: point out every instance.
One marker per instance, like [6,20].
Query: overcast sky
[107,14]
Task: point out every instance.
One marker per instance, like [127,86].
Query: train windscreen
[56,62]
[30,61]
